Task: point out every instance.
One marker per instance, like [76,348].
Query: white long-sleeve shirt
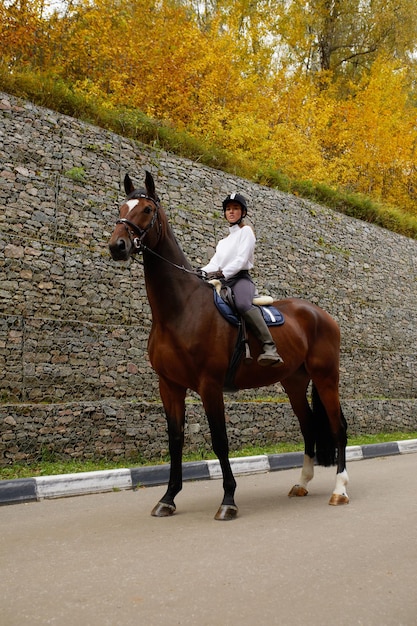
[234,253]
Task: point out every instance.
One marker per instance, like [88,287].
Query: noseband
[137,242]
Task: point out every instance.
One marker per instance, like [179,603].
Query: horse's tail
[326,451]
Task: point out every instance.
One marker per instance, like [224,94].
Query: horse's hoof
[297,491]
[226,512]
[163,510]
[338,498]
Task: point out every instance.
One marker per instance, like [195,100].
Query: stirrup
[270,359]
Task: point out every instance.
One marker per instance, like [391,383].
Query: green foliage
[47,91]
[357,206]
[274,178]
[76,174]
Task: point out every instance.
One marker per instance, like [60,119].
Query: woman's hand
[213,275]
[201,273]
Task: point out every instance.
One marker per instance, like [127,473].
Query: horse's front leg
[173,399]
[214,406]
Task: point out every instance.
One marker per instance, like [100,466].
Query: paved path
[102,560]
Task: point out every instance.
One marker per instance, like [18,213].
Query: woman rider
[233,259]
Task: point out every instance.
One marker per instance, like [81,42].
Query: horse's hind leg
[296,389]
[173,399]
[327,410]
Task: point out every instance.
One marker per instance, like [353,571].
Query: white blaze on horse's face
[121,241]
[131,204]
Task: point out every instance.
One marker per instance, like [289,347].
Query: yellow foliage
[376,137]
[243,75]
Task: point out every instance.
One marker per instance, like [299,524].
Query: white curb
[244,465]
[83,483]
[354,453]
[410,445]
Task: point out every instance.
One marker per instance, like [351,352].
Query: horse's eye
[148,209]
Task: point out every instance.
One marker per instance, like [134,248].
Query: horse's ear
[128,185]
[149,184]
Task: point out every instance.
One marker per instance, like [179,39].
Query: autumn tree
[374,137]
[346,36]
[322,90]
[20,24]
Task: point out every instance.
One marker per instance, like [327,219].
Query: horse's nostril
[119,249]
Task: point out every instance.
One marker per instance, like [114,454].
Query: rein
[178,267]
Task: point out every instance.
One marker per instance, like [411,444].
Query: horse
[191,344]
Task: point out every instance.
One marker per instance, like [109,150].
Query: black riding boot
[254,319]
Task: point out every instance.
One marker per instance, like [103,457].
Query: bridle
[137,242]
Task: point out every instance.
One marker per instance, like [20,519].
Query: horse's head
[138,220]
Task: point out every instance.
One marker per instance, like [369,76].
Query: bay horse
[191,344]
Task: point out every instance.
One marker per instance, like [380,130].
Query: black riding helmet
[236,197]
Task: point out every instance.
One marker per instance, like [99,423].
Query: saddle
[223,299]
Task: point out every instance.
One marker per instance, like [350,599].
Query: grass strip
[56,467]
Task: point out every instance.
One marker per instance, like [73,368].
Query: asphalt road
[102,560]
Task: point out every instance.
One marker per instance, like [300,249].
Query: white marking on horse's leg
[307,472]
[339,495]
[342,480]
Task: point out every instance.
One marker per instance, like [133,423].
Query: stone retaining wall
[74,325]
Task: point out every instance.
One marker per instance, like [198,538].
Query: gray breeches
[243,291]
